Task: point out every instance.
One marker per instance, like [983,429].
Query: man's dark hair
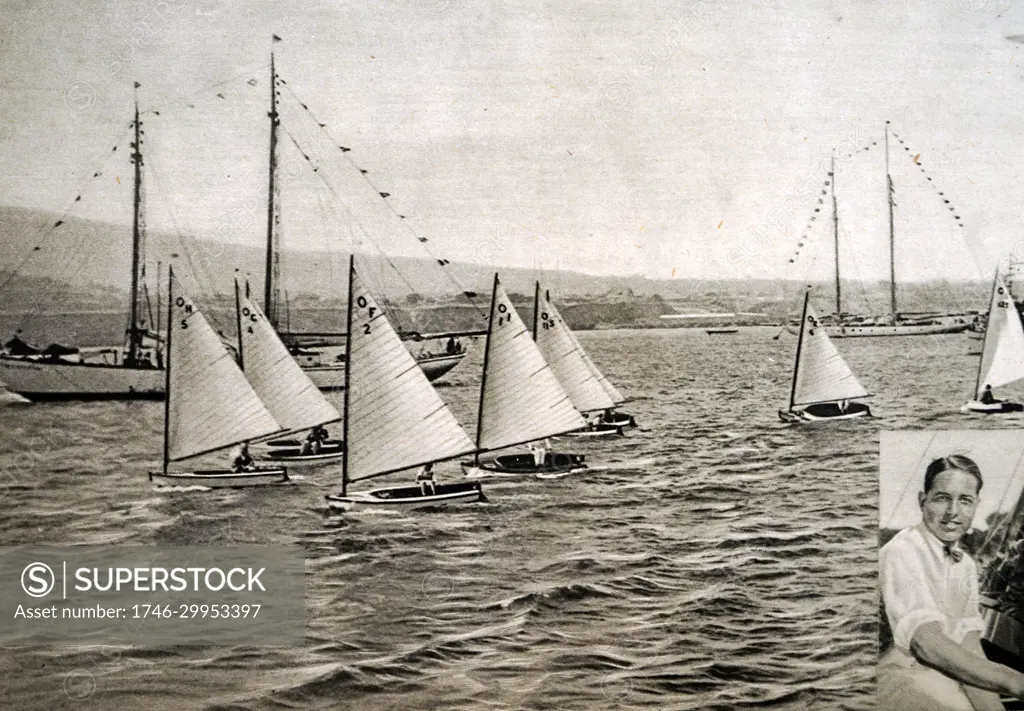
[954,462]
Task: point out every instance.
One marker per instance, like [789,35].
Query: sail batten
[295,402]
[1002,358]
[822,375]
[211,405]
[395,418]
[521,399]
[574,370]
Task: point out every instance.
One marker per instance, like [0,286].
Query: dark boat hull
[515,464]
[825,411]
[463,492]
[222,478]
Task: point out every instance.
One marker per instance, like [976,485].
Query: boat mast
[158,305]
[270,279]
[134,334]
[536,307]
[984,339]
[238,324]
[835,235]
[483,377]
[892,240]
[348,369]
[799,346]
[167,369]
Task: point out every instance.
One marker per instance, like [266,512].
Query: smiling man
[930,593]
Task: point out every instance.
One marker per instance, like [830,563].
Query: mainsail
[567,359]
[210,404]
[521,399]
[1002,358]
[821,373]
[395,418]
[291,397]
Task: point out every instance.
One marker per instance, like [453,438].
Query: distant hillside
[83,266]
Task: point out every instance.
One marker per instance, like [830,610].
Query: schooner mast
[273,275]
[892,239]
[133,354]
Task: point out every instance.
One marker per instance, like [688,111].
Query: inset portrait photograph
[951,570]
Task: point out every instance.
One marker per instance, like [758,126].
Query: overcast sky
[658,138]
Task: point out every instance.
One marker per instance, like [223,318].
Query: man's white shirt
[922,583]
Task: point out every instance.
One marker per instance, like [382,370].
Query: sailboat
[895,323]
[327,374]
[1002,353]
[210,405]
[393,419]
[291,397]
[588,388]
[60,373]
[521,399]
[823,384]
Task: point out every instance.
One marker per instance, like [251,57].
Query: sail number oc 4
[195,611]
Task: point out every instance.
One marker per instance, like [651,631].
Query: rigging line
[1002,500]
[203,274]
[915,469]
[176,103]
[422,240]
[49,225]
[349,212]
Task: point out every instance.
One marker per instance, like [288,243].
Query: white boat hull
[40,380]
[410,496]
[48,380]
[616,431]
[888,330]
[332,377]
[994,408]
[221,478]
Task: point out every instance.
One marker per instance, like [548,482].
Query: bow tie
[953,552]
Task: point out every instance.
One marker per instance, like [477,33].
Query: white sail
[396,419]
[522,399]
[211,404]
[1002,360]
[617,397]
[288,393]
[568,360]
[822,374]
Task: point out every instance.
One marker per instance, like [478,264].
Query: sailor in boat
[241,460]
[987,397]
[930,595]
[539,450]
[314,443]
[426,480]
[844,405]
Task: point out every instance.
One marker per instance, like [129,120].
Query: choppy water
[717,560]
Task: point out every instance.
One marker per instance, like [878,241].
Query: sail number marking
[506,316]
[371,311]
[546,320]
[251,315]
[182,303]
